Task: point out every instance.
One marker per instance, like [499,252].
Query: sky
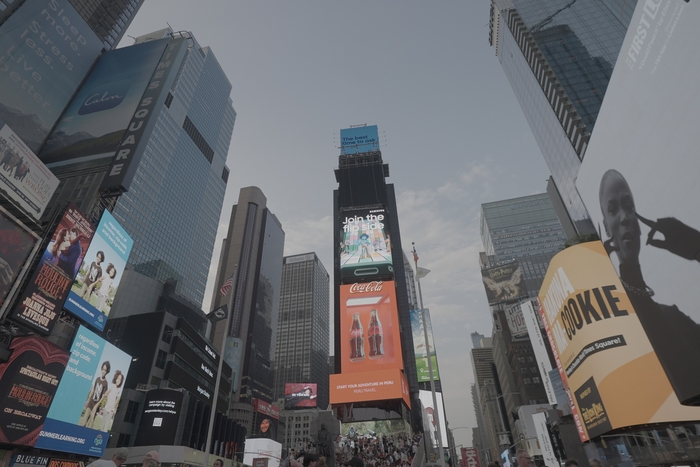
[450,129]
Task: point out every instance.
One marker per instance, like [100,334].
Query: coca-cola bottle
[357,339]
[375,334]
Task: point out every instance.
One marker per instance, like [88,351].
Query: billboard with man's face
[365,246]
[639,182]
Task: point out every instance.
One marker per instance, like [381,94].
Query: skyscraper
[558,57]
[254,242]
[304,325]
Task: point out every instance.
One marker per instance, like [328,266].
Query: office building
[558,58]
[304,326]
[485,397]
[255,243]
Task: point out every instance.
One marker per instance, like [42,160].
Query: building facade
[304,326]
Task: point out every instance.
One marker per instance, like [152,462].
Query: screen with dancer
[365,246]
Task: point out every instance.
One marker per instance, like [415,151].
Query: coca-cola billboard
[369,327]
[365,245]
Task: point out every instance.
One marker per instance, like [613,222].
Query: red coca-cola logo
[374,286]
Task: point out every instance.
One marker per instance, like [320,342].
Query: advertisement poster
[91,295]
[365,249]
[28,383]
[359,140]
[87,398]
[539,346]
[17,243]
[369,386]
[23,178]
[639,182]
[28,460]
[420,349]
[90,131]
[470,457]
[39,307]
[548,455]
[516,321]
[369,327]
[300,395]
[426,398]
[504,283]
[601,350]
[161,413]
[36,80]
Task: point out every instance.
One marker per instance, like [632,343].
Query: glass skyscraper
[173,206]
[304,325]
[558,56]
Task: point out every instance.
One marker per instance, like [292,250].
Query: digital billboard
[87,398]
[608,367]
[40,305]
[28,383]
[91,295]
[95,121]
[639,183]
[159,420]
[369,327]
[419,347]
[27,182]
[17,243]
[359,140]
[504,283]
[347,388]
[48,50]
[531,316]
[426,398]
[300,395]
[365,249]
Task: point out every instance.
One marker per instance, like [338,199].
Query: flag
[219,314]
[223,291]
[415,255]
[421,272]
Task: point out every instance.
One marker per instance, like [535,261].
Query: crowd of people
[377,451]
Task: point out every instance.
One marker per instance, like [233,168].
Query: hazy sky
[450,129]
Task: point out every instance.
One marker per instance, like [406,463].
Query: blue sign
[87,397]
[359,140]
[91,295]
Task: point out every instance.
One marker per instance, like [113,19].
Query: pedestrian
[151,457]
[118,458]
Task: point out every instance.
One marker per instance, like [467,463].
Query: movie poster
[39,307]
[28,383]
[16,245]
[504,283]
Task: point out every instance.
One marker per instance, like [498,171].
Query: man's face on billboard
[619,217]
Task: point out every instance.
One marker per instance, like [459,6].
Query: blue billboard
[83,409]
[47,51]
[359,140]
[92,293]
[94,123]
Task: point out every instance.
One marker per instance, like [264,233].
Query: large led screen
[159,420]
[47,51]
[17,243]
[639,182]
[87,398]
[92,127]
[359,140]
[300,395]
[422,350]
[28,383]
[368,386]
[365,249]
[504,283]
[40,306]
[369,327]
[426,398]
[609,369]
[91,295]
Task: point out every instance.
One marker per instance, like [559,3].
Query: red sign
[470,457]
[266,408]
[260,461]
[374,286]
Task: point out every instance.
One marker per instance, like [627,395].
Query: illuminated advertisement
[470,457]
[369,386]
[420,349]
[300,395]
[602,352]
[91,296]
[359,140]
[17,243]
[28,460]
[95,121]
[161,413]
[639,183]
[23,178]
[87,398]
[48,50]
[426,398]
[365,249]
[504,283]
[369,327]
[28,383]
[40,305]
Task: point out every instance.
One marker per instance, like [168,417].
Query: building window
[160,360]
[198,139]
[168,100]
[131,411]
[536,379]
[224,175]
[167,334]
[123,439]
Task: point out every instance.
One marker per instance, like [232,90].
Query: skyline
[289,64]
